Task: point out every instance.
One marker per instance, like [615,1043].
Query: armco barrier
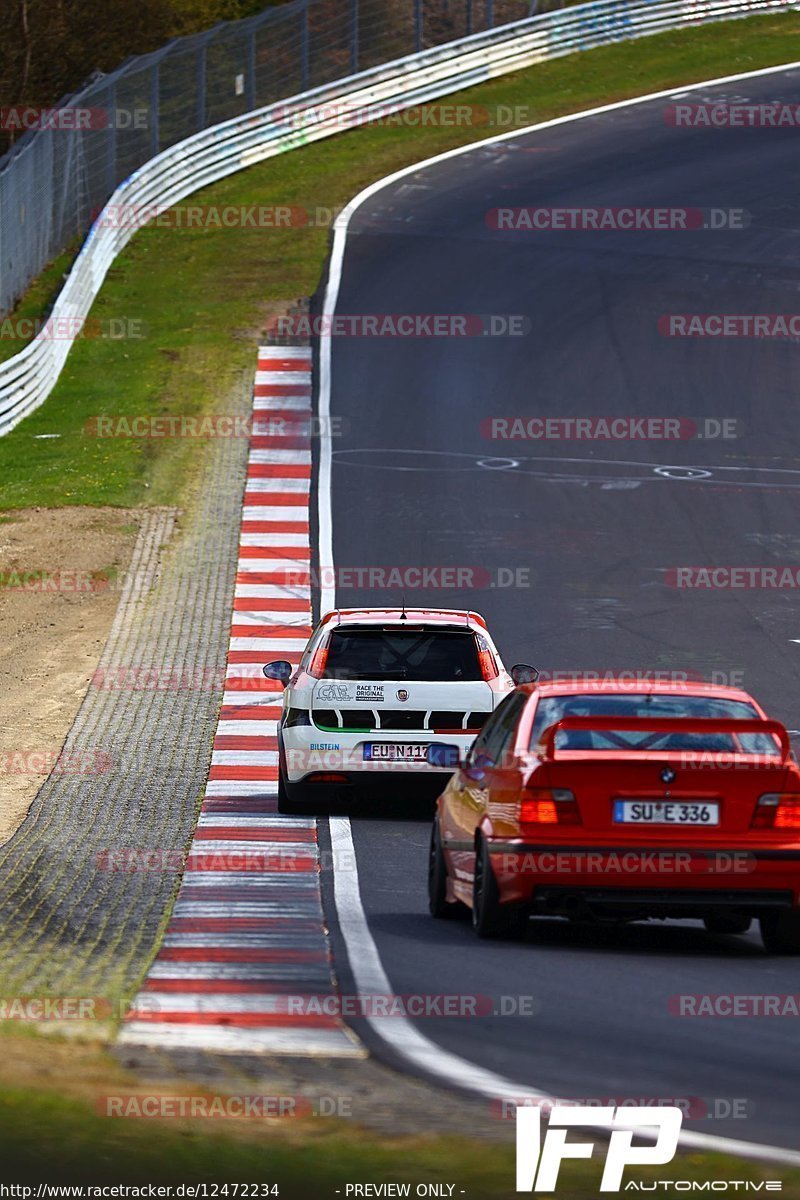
[62,164]
[28,378]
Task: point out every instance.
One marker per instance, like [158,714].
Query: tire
[780,932]
[438,904]
[490,918]
[727,923]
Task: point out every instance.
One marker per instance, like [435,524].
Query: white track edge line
[420,1052]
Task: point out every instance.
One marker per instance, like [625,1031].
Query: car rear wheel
[490,918]
[292,799]
[438,904]
[724,923]
[780,932]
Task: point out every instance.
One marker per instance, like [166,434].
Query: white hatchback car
[374,688]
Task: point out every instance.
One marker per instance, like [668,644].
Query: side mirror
[476,768]
[279,669]
[440,754]
[522,673]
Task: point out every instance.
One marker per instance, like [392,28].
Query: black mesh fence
[61,172]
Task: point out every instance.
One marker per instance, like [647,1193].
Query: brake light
[316,668]
[548,806]
[486,659]
[777,810]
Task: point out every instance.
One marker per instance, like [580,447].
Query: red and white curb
[245,961]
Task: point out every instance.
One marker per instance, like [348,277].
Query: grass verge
[201,296]
[58,1132]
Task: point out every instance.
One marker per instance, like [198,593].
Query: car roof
[623,686]
[415,616]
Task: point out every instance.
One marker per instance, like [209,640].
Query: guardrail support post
[469,18]
[418,25]
[490,14]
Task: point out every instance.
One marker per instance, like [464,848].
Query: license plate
[395,752]
[666,812]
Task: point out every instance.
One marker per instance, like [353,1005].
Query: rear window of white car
[424,655]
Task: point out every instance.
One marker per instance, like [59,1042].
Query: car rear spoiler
[547,743]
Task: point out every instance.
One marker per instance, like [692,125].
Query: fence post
[250,85]
[418,25]
[354,37]
[201,86]
[154,109]
[304,47]
[111,143]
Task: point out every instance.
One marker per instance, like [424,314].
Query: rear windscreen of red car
[552,708]
[423,655]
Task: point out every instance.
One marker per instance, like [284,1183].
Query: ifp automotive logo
[538,1161]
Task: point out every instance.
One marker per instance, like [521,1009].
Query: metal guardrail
[28,378]
[63,163]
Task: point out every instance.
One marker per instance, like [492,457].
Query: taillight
[295,717]
[486,659]
[777,810]
[319,658]
[548,806]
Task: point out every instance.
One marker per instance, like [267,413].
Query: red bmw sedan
[609,801]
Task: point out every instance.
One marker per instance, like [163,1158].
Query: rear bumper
[649,881]
[368,785]
[656,902]
[307,752]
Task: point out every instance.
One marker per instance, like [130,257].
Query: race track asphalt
[588,532]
